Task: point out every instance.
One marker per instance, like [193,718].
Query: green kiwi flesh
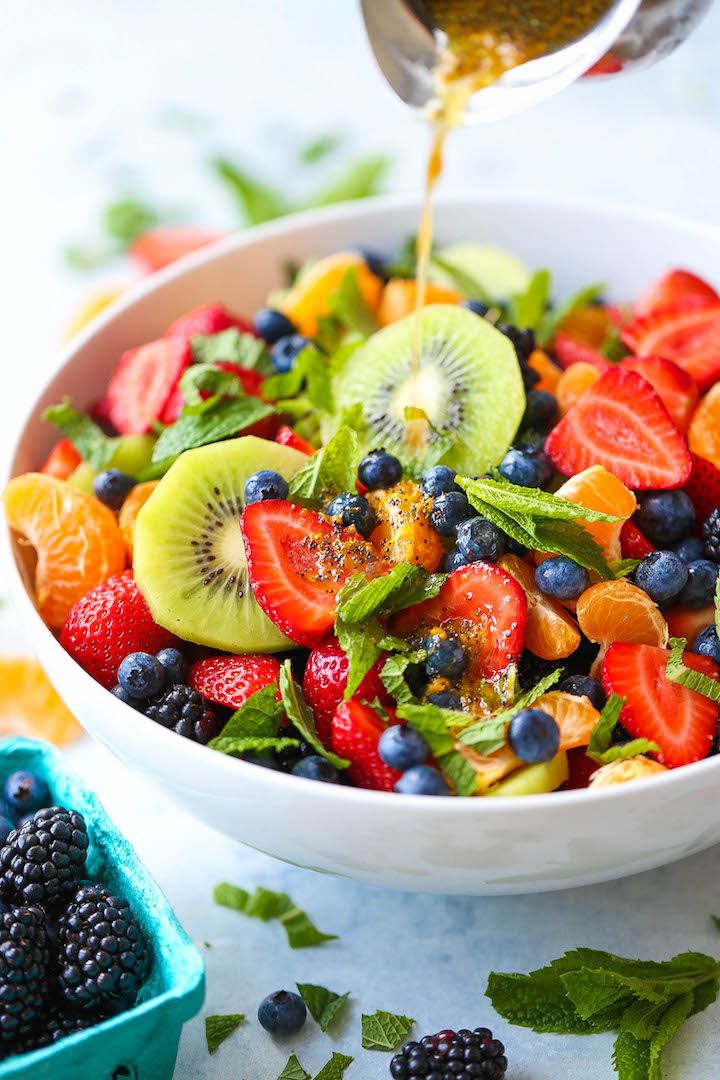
[534,779]
[497,272]
[188,551]
[132,455]
[467,381]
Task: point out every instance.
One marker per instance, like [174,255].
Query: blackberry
[463,1055]
[523,341]
[531,669]
[102,956]
[186,712]
[24,964]
[44,858]
[711,535]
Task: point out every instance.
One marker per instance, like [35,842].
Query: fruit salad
[464,549]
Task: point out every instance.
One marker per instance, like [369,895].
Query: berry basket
[142,1043]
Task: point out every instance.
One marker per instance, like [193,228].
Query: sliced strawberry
[287,437]
[484,607]
[231,680]
[325,681]
[633,543]
[298,561]
[581,768]
[250,380]
[142,383]
[622,424]
[356,731]
[688,622]
[675,387]
[687,333]
[159,247]
[207,320]
[682,722]
[703,487]
[62,460]
[569,350]
[674,288]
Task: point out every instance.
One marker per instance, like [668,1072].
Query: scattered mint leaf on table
[220,1028]
[550,320]
[266,905]
[293,1070]
[127,218]
[91,443]
[527,308]
[677,671]
[329,470]
[716,921]
[403,586]
[384,1030]
[300,714]
[325,1006]
[335,1068]
[231,346]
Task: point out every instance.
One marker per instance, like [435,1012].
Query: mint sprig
[266,905]
[92,444]
[325,1006]
[599,748]
[220,1028]
[348,306]
[403,586]
[384,1030]
[207,379]
[310,373]
[329,470]
[232,346]
[223,420]
[526,309]
[487,732]
[677,671]
[254,726]
[300,714]
[551,320]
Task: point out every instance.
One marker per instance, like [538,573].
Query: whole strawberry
[356,731]
[111,621]
[231,680]
[325,681]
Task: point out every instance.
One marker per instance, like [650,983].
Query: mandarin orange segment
[704,430]
[400,295]
[551,632]
[575,716]
[573,383]
[597,489]
[77,541]
[309,298]
[621,772]
[30,706]
[491,767]
[618,611]
[590,325]
[132,506]
[403,532]
[543,366]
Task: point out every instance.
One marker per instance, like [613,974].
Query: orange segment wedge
[575,716]
[621,772]
[29,704]
[77,541]
[597,489]
[491,767]
[618,611]
[400,294]
[590,324]
[704,430]
[543,366]
[573,383]
[403,532]
[130,510]
[309,298]
[551,632]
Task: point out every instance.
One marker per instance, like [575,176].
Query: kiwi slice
[467,381]
[132,455]
[534,779]
[188,552]
[499,274]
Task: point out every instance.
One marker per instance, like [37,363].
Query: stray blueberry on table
[282,1013]
[534,736]
[422,780]
[665,516]
[352,509]
[527,467]
[285,352]
[439,479]
[445,656]
[263,485]
[699,590]
[141,675]
[711,535]
[379,470]
[584,686]
[401,747]
[478,538]
[316,767]
[707,643]
[662,575]
[25,792]
[112,487]
[460,1055]
[272,325]
[174,663]
[541,410]
[562,578]
[448,510]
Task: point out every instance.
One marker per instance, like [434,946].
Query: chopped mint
[222,420]
[362,644]
[204,378]
[459,772]
[599,748]
[231,346]
[384,1030]
[551,320]
[335,1068]
[329,470]
[311,370]
[403,586]
[392,676]
[487,732]
[324,1005]
[613,348]
[220,1028]
[434,724]
[527,308]
[348,306]
[677,671]
[266,905]
[91,443]
[620,568]
[293,1070]
[300,714]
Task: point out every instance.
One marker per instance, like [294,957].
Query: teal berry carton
[142,1043]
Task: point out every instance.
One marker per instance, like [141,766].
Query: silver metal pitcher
[632,34]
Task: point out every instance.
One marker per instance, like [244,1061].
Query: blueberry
[665,516]
[530,377]
[379,470]
[584,686]
[401,747]
[282,1013]
[477,307]
[707,643]
[273,325]
[375,262]
[352,509]
[446,699]
[112,487]
[175,664]
[562,578]
[453,560]
[540,411]
[315,767]
[445,656]
[264,485]
[699,590]
[448,510]
[26,792]
[526,468]
[690,549]
[534,736]
[422,780]
[141,675]
[285,352]
[662,575]
[478,538]
[122,695]
[262,758]
[439,479]
[523,340]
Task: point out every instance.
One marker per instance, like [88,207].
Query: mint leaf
[348,306]
[434,724]
[318,148]
[631,1057]
[716,921]
[266,905]
[220,1028]
[621,568]
[459,772]
[360,645]
[237,745]
[668,1025]
[257,201]
[392,677]
[360,180]
[479,734]
[571,539]
[602,733]
[91,443]
[300,714]
[206,378]
[384,1030]
[293,1070]
[224,420]
[551,320]
[462,281]
[538,1001]
[330,470]
[231,346]
[126,219]
[259,715]
[678,672]
[335,1068]
[324,1005]
[403,586]
[527,308]
[310,371]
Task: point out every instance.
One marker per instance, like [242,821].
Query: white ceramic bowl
[444,845]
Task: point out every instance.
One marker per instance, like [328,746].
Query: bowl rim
[294,223]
